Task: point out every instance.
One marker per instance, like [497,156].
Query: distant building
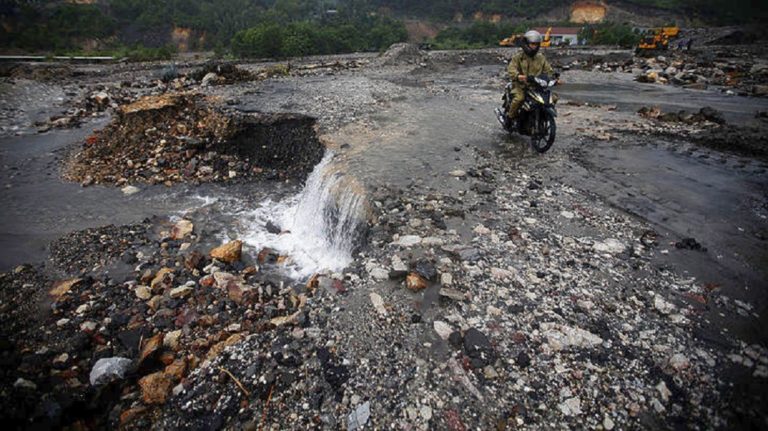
[561,35]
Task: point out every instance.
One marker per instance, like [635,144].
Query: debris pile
[739,71]
[221,73]
[184,137]
[401,54]
[125,345]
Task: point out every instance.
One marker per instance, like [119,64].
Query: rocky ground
[513,299]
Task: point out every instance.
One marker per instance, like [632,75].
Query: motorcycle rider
[528,62]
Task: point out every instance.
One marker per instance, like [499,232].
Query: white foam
[319,224]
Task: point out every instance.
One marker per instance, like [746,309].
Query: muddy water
[37,206]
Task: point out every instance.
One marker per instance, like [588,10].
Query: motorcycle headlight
[541,82]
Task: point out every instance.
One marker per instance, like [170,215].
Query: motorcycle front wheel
[544,134]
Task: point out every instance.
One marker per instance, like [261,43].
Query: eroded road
[555,295]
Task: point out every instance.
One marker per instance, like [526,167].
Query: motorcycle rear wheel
[544,135]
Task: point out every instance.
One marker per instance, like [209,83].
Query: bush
[311,38]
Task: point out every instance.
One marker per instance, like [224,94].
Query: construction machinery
[516,40]
[656,39]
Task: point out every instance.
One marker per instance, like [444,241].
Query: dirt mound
[748,141]
[37,72]
[401,54]
[186,137]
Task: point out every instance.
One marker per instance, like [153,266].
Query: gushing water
[319,226]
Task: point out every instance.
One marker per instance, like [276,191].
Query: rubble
[191,139]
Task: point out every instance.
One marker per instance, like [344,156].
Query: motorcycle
[536,117]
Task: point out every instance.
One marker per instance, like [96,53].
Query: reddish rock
[150,347]
[415,282]
[177,369]
[61,288]
[194,260]
[163,279]
[229,252]
[207,281]
[155,388]
[130,415]
[181,229]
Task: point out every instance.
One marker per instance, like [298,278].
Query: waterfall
[320,225]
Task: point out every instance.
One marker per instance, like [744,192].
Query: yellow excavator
[516,39]
[656,39]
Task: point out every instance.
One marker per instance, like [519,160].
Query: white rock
[446,279]
[398,264]
[426,413]
[432,241]
[130,190]
[608,423]
[443,329]
[560,337]
[378,303]
[678,361]
[610,245]
[567,214]
[458,173]
[501,274]
[106,369]
[210,76]
[379,273]
[24,383]
[663,391]
[481,230]
[571,406]
[408,241]
[663,306]
[143,292]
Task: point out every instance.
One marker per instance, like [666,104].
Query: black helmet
[531,37]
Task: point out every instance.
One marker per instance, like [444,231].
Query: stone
[143,292]
[610,245]
[150,347]
[163,279]
[171,340]
[608,423]
[443,329]
[130,190]
[478,348]
[415,282]
[229,252]
[181,229]
[458,173]
[570,407]
[407,241]
[209,78]
[181,291]
[22,383]
[679,362]
[378,304]
[108,369]
[454,294]
[663,306]
[359,417]
[561,337]
[379,273]
[426,413]
[176,369]
[61,288]
[155,388]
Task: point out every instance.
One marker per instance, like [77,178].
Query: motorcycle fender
[551,110]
